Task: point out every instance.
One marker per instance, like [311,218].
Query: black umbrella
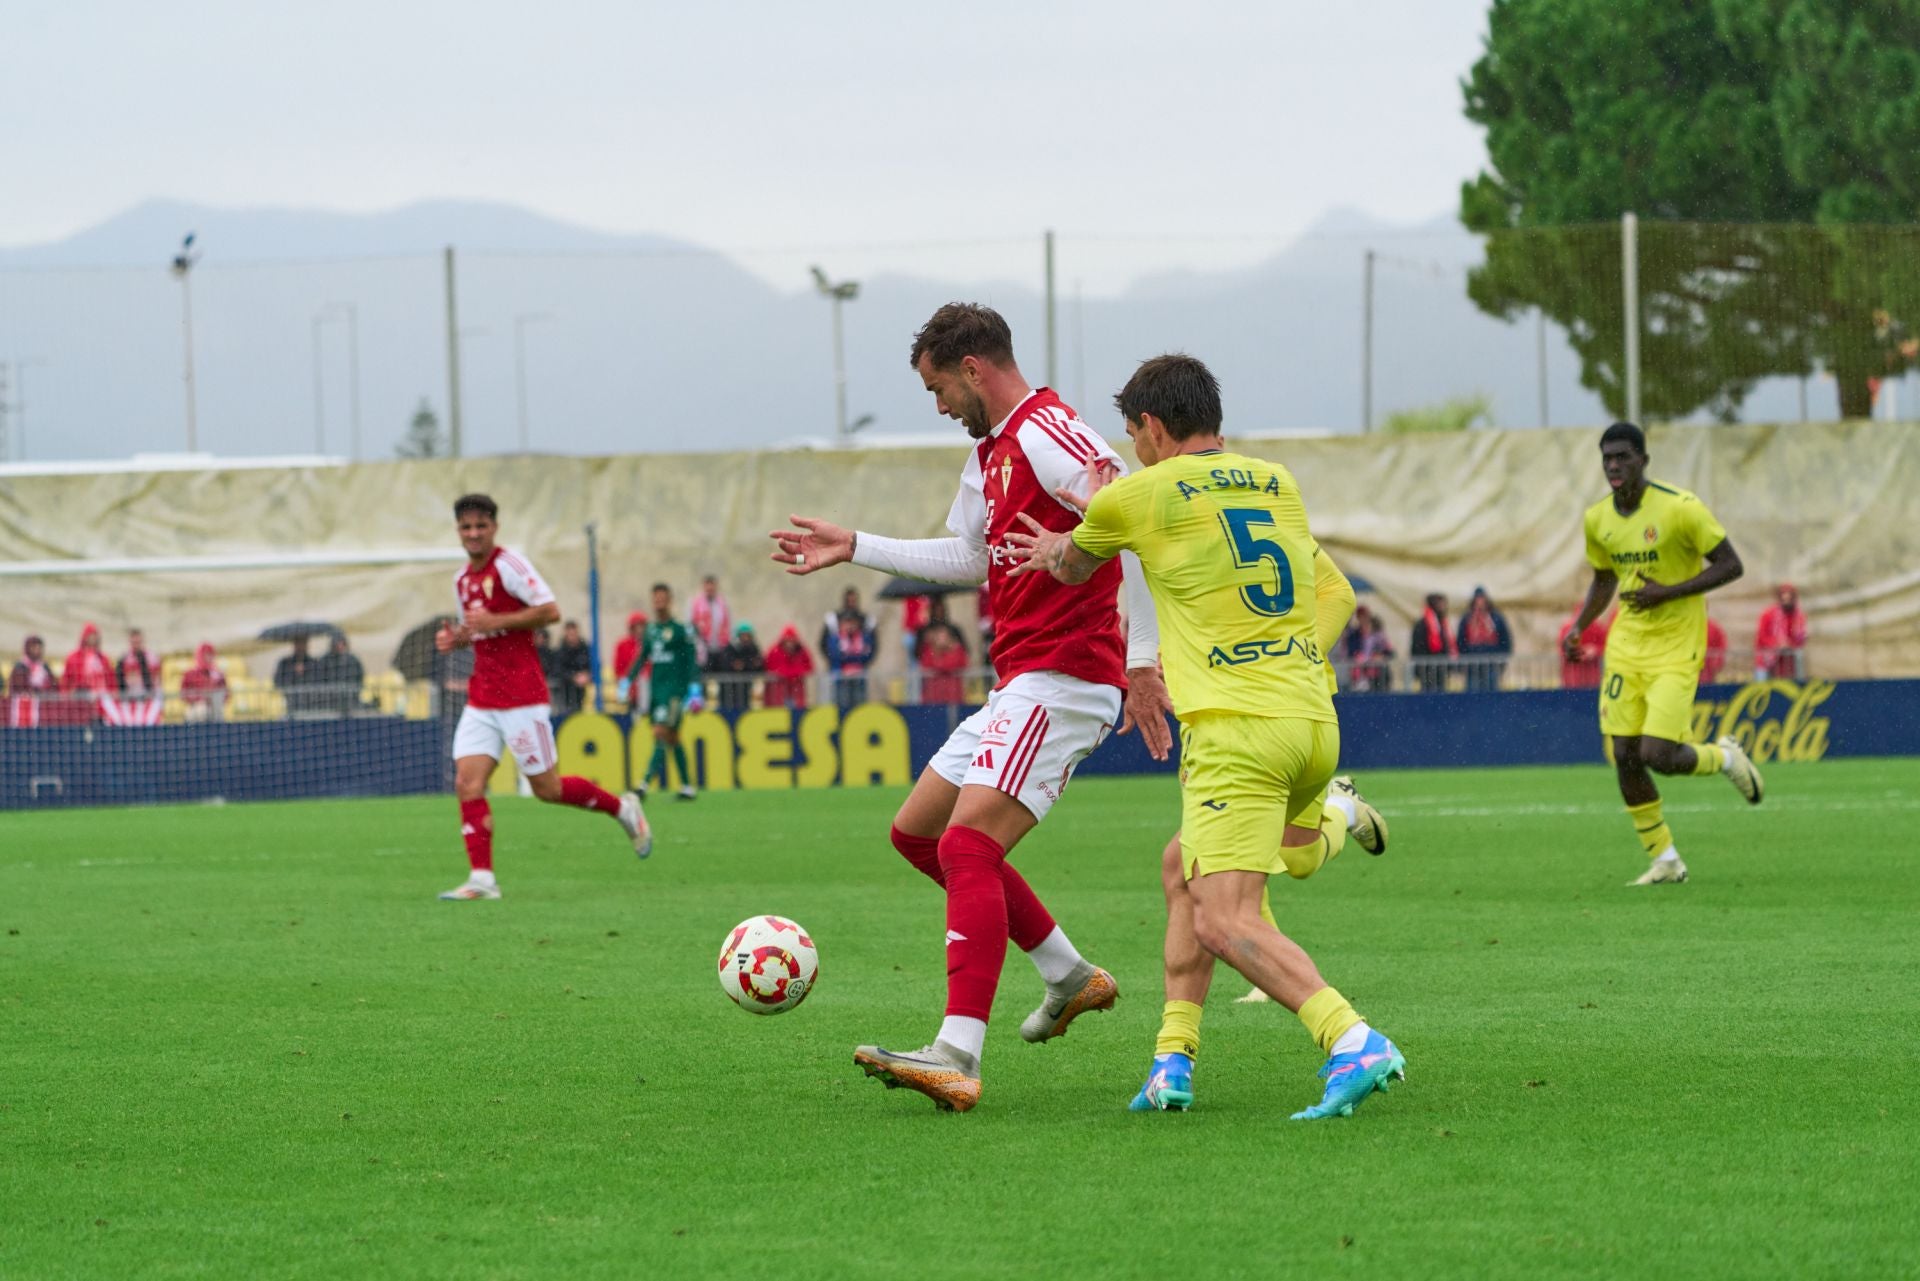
[295,631]
[415,657]
[901,588]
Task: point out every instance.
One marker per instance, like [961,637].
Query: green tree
[424,438]
[1764,135]
[1461,413]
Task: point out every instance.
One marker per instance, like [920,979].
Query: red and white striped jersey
[506,665]
[1040,624]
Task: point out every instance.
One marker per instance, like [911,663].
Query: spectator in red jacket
[943,657]
[1585,672]
[138,671]
[789,664]
[629,647]
[1781,638]
[88,670]
[203,687]
[1716,653]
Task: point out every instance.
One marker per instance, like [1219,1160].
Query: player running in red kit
[1062,670]
[503,602]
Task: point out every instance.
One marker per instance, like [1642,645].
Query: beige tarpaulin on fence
[1834,508]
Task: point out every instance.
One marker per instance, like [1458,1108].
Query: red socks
[921,851]
[1028,921]
[476,826]
[585,794]
[976,919]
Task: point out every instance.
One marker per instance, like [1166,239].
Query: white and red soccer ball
[768,964]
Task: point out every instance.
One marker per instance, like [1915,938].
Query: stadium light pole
[1366,345]
[183,271]
[319,387]
[350,313]
[520,323]
[838,292]
[16,410]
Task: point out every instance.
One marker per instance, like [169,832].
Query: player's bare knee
[1173,874]
[1660,756]
[546,786]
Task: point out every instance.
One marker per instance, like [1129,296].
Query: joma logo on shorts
[1253,651]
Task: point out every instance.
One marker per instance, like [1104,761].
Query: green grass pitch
[247,1041]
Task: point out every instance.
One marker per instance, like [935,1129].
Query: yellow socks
[1327,1016]
[1708,759]
[1302,861]
[1179,1029]
[1654,834]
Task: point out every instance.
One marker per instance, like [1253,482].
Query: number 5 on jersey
[1249,552]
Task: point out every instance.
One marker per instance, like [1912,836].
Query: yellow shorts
[1656,704]
[1243,779]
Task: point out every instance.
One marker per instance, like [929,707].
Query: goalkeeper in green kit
[672,690]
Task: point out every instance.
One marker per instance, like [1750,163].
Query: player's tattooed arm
[1053,551]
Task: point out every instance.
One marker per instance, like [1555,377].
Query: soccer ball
[768,964]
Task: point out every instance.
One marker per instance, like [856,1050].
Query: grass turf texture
[247,1041]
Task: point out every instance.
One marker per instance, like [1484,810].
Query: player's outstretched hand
[1147,706]
[1571,648]
[811,544]
[450,638]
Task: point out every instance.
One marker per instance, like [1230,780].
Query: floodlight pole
[1053,346]
[353,379]
[1630,309]
[1540,358]
[453,359]
[520,323]
[837,293]
[183,268]
[319,386]
[1366,345]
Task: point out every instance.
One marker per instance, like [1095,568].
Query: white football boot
[470,890]
[634,820]
[1662,871]
[1369,826]
[1741,771]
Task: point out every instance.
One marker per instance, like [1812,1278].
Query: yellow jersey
[1666,540]
[1230,561]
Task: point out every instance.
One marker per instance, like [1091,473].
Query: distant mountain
[151,231]
[636,343]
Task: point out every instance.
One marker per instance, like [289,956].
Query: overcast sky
[745,125]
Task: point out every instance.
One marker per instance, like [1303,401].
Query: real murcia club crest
[1006,473]
[486,584]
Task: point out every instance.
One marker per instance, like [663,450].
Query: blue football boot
[1169,1086]
[1352,1077]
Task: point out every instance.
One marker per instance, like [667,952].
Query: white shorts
[525,732]
[1028,738]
